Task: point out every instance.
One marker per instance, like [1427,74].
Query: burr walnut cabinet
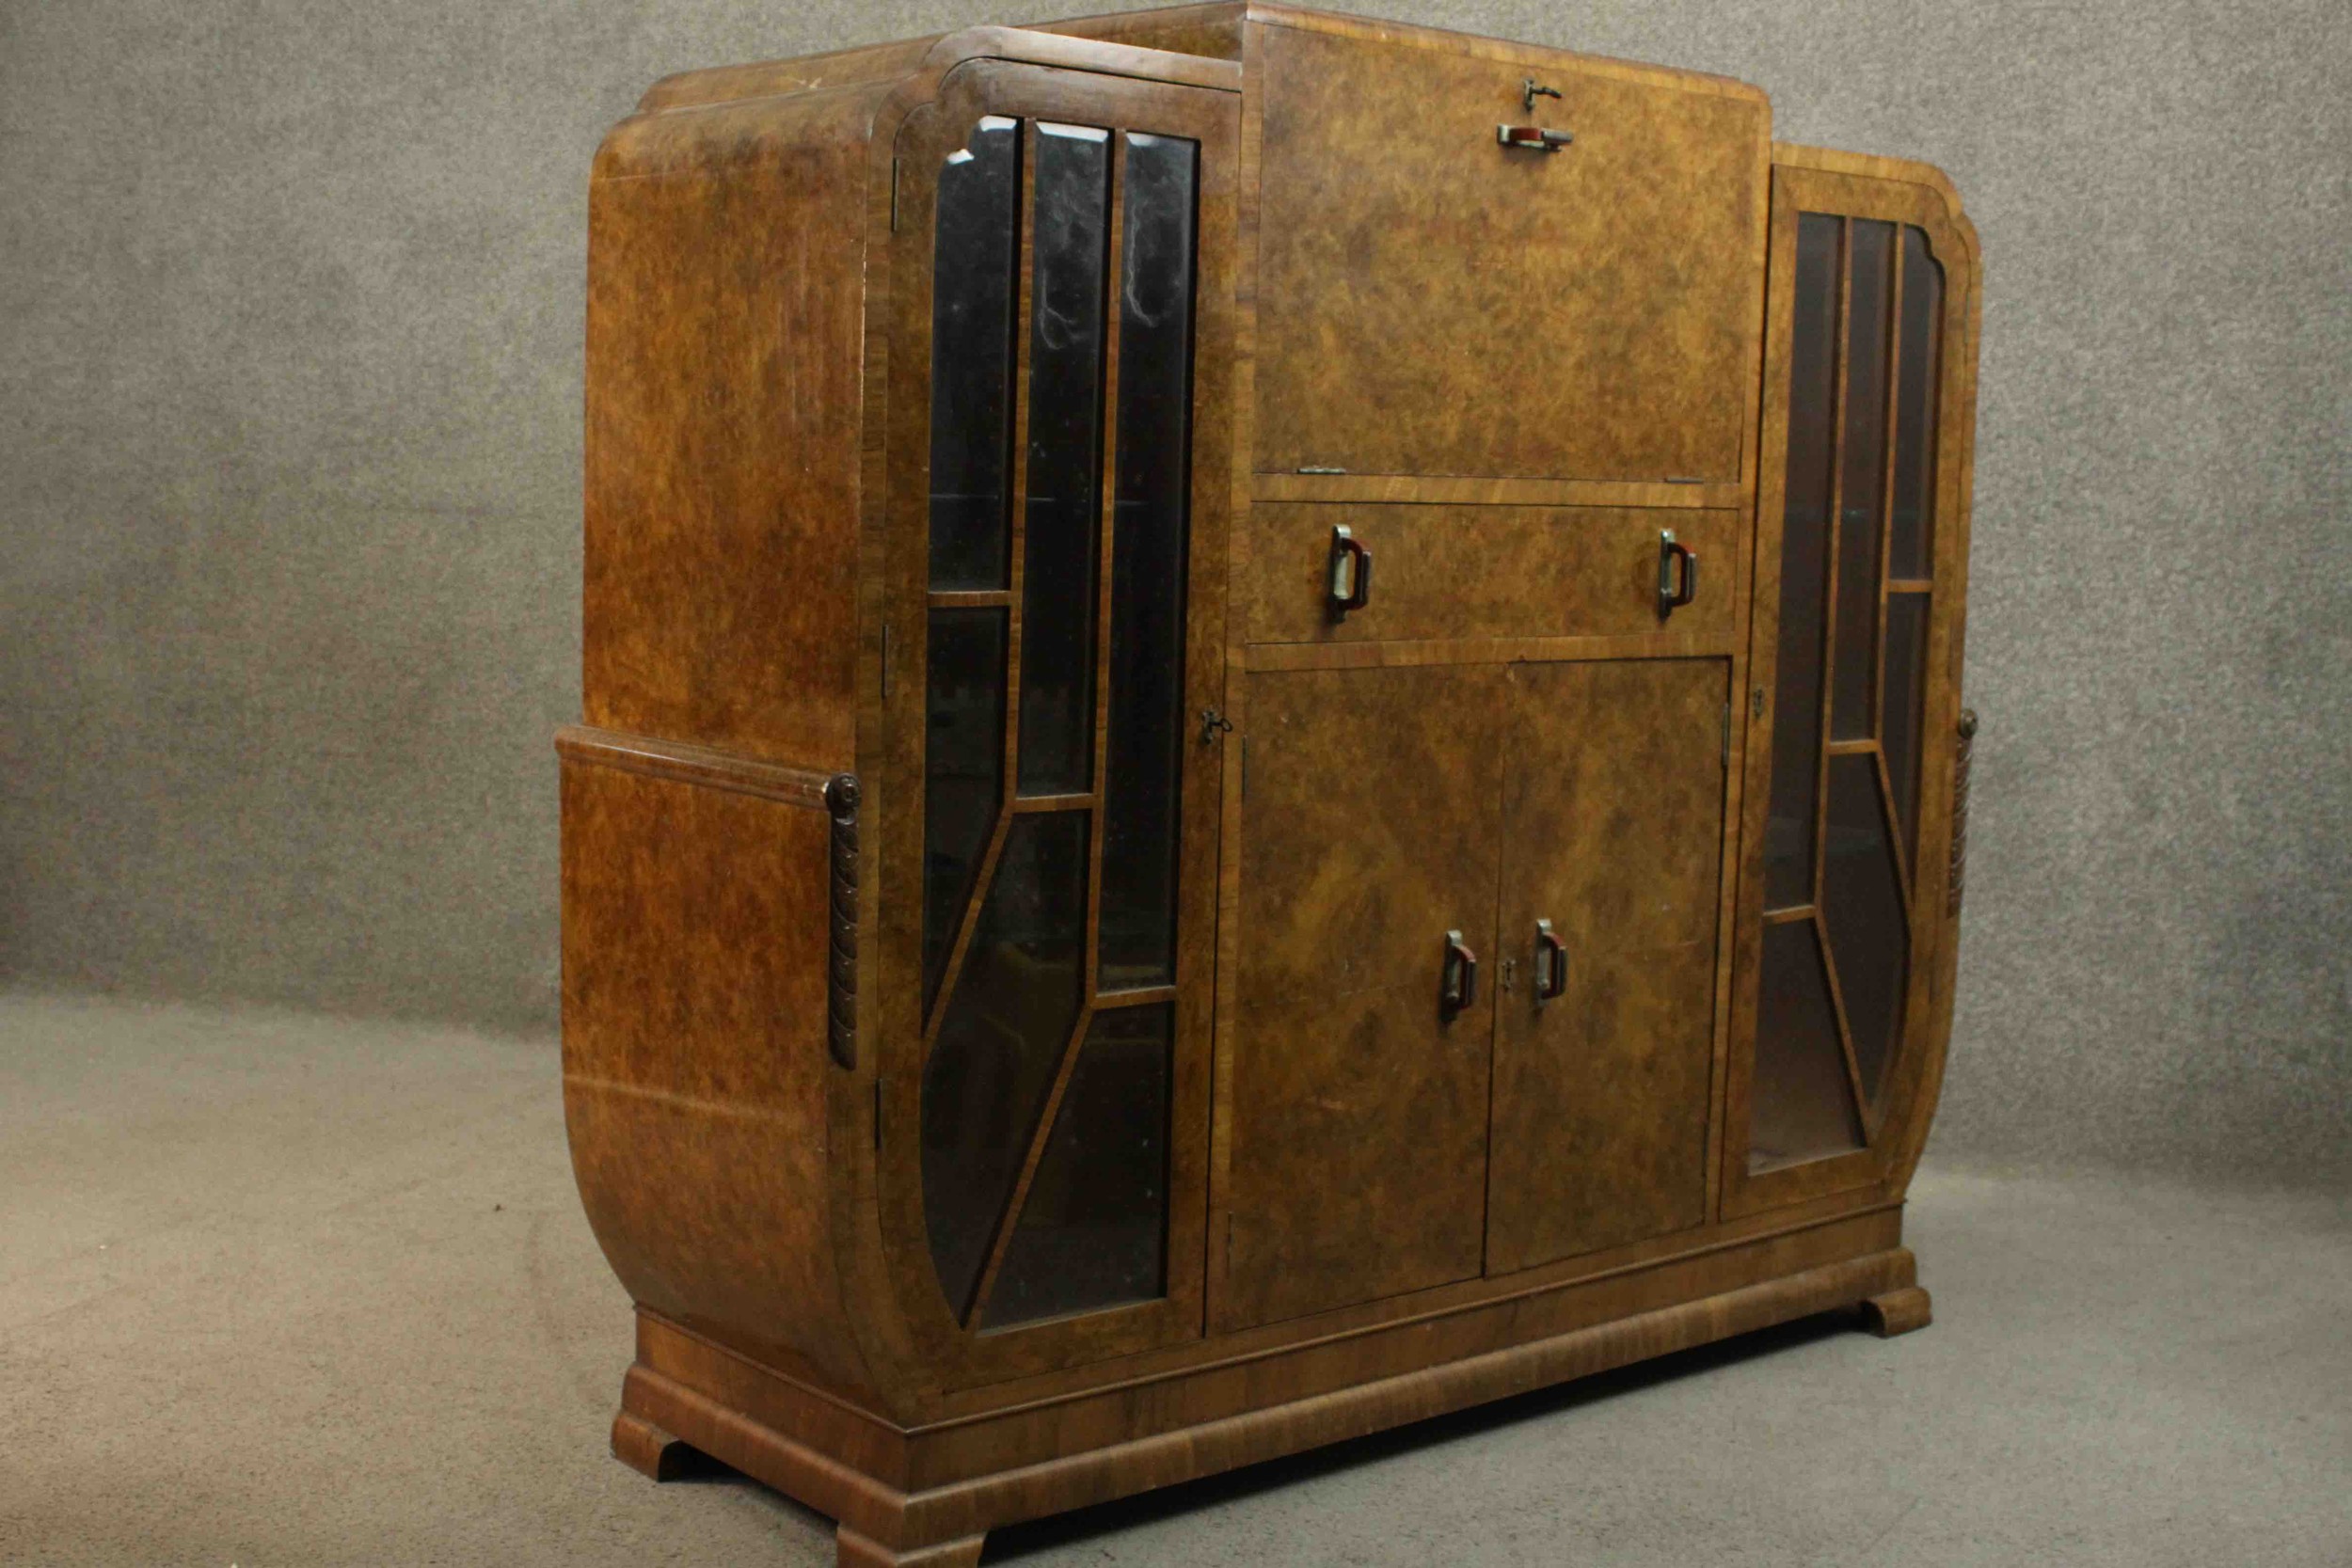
[1272,744]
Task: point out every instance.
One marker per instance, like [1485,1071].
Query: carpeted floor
[278,1289]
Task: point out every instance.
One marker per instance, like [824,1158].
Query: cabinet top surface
[1221,30]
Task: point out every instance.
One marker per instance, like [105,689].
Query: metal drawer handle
[1458,984]
[1551,964]
[1676,588]
[1535,138]
[1347,583]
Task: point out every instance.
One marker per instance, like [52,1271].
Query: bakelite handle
[1535,138]
[1551,963]
[1457,986]
[1349,562]
[1677,573]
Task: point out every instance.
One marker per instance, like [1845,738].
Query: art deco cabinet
[1272,744]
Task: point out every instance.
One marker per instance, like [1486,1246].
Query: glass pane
[1144,755]
[1802,1105]
[1093,1231]
[1911,540]
[963,771]
[1863,481]
[974,256]
[1803,566]
[1007,1026]
[1062,514]
[1862,910]
[1906,672]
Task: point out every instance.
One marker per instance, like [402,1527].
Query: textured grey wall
[288,429]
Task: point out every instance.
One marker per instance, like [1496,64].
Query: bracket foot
[1900,1311]
[649,1450]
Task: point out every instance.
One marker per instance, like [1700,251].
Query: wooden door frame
[1209,116]
[1851,185]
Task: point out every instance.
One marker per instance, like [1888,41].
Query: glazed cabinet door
[1604,1034]
[1435,300]
[1352,1140]
[1060,471]
[1848,891]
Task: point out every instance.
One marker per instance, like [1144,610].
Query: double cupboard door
[1475,989]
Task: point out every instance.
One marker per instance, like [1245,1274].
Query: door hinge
[894,195]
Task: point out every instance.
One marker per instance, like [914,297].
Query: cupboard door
[1612,833]
[1063,459]
[1845,924]
[1356,1139]
[1431,301]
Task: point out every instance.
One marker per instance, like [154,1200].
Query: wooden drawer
[1483,572]
[1433,303]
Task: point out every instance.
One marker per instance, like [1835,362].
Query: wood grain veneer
[1372,1206]
[1454,573]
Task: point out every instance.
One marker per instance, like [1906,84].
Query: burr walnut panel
[1612,814]
[693,1054]
[1433,302]
[1358,1132]
[715,331]
[1486,572]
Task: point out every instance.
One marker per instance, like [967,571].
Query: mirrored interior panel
[1019,833]
[1094,1228]
[1841,847]
[1001,1038]
[978,249]
[1862,473]
[963,778]
[1911,525]
[1863,912]
[1900,703]
[1804,1105]
[1150,557]
[1061,507]
[1805,562]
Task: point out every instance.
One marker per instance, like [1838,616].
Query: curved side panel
[726,472]
[725,342]
[696,962]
